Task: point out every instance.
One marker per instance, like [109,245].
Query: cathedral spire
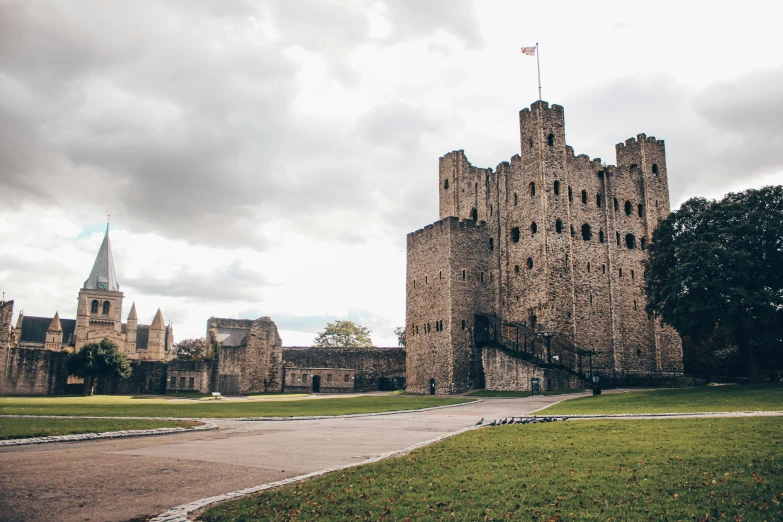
[55,325]
[102,276]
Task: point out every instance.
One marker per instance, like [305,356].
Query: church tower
[157,338]
[54,334]
[100,300]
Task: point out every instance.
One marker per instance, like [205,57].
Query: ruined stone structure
[98,316]
[549,241]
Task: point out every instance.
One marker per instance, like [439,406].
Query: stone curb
[80,437]
[180,513]
[683,414]
[250,419]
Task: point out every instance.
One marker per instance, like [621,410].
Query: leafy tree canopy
[400,333]
[343,334]
[101,359]
[193,349]
[715,274]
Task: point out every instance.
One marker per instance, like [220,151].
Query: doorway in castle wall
[228,384]
[316,384]
[432,386]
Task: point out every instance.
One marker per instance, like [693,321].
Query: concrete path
[127,478]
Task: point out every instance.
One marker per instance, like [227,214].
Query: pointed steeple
[132,315]
[55,325]
[102,276]
[157,322]
[20,321]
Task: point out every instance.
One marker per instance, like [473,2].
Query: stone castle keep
[535,269]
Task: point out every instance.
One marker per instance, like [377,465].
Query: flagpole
[538,62]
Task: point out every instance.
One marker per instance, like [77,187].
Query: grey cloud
[414,17]
[230,283]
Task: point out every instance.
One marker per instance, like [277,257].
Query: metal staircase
[551,350]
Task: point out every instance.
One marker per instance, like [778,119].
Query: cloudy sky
[268,157]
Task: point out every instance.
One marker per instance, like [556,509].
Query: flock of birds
[521,420]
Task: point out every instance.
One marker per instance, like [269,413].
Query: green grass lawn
[125,406]
[17,428]
[503,394]
[674,469]
[736,397]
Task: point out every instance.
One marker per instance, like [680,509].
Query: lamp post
[548,336]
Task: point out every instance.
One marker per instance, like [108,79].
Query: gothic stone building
[549,241]
[98,316]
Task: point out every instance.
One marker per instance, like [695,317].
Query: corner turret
[54,334]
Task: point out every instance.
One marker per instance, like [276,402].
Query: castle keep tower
[550,241]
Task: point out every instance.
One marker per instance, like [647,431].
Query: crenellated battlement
[448,223]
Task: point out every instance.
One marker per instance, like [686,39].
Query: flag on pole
[529,51]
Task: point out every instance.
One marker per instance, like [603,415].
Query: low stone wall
[33,372]
[503,371]
[331,380]
[148,377]
[180,373]
[371,364]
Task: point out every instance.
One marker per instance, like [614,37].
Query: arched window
[598,200]
[586,234]
[515,234]
[643,243]
[106,306]
[616,205]
[601,236]
[516,269]
[570,195]
[532,189]
[559,226]
[557,188]
[474,214]
[446,185]
[584,196]
[630,241]
[640,209]
[655,169]
[627,208]
[530,263]
[533,227]
[550,140]
[94,307]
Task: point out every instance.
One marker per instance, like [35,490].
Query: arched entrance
[432,386]
[316,383]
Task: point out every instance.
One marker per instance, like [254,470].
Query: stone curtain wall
[371,364]
[505,372]
[148,377]
[200,371]
[34,372]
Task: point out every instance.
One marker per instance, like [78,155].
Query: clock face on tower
[102,286]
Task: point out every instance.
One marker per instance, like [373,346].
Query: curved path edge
[770,413]
[180,513]
[81,437]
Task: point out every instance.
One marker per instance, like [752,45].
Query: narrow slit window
[588,268]
[621,272]
[516,269]
[586,234]
[573,232]
[655,169]
[533,227]
[515,199]
[643,243]
[584,196]
[463,275]
[570,195]
[559,226]
[550,140]
[598,200]
[630,241]
[491,244]
[618,239]
[632,274]
[474,214]
[446,185]
[627,208]
[603,269]
[530,263]
[515,234]
[557,188]
[616,205]
[640,209]
[601,236]
[532,189]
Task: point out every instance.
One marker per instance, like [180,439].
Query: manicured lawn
[736,397]
[17,428]
[668,469]
[126,406]
[493,393]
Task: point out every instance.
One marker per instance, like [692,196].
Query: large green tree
[101,359]
[194,349]
[343,334]
[715,274]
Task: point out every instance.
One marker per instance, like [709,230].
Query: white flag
[529,51]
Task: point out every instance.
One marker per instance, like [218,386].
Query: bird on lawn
[504,421]
[493,423]
[479,423]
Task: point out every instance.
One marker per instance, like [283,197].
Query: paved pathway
[126,478]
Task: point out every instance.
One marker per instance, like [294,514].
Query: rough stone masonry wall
[371,364]
[33,372]
[148,377]
[200,371]
[505,372]
[332,380]
[429,354]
